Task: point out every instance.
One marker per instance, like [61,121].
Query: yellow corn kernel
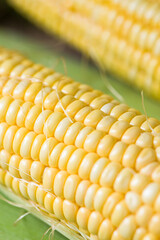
[143,215]
[83,217]
[81,192]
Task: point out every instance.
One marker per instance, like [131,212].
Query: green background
[80,69]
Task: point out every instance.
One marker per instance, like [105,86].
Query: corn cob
[121,36]
[78,155]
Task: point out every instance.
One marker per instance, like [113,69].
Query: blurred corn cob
[121,36]
[77,155]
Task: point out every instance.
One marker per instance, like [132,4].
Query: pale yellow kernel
[48,202]
[158,153]
[59,183]
[15,186]
[72,133]
[98,102]
[138,120]
[90,195]
[110,204]
[131,135]
[139,182]
[8,180]
[95,219]
[70,211]
[55,154]
[19,90]
[81,114]
[4,159]
[75,160]
[118,110]
[82,218]
[106,123]
[149,169]
[70,187]
[139,233]
[79,93]
[157,203]
[119,213]
[93,118]
[108,107]
[144,215]
[71,88]
[2,176]
[40,195]
[145,140]
[74,107]
[116,236]
[4,105]
[130,155]
[65,156]
[86,165]
[127,227]
[18,138]
[154,225]
[22,114]
[118,129]
[105,145]
[46,149]
[62,128]
[109,174]
[3,128]
[14,165]
[150,236]
[52,122]
[12,111]
[52,78]
[105,230]
[101,196]
[64,101]
[48,178]
[32,116]
[31,190]
[92,141]
[133,201]
[23,189]
[123,179]
[89,96]
[32,91]
[24,169]
[156,141]
[97,169]
[64,82]
[36,146]
[81,192]
[58,208]
[40,121]
[41,95]
[117,151]
[26,145]
[36,171]
[150,193]
[146,156]
[127,116]
[8,88]
[51,100]
[81,137]
[8,138]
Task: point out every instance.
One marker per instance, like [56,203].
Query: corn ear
[86,163]
[122,37]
